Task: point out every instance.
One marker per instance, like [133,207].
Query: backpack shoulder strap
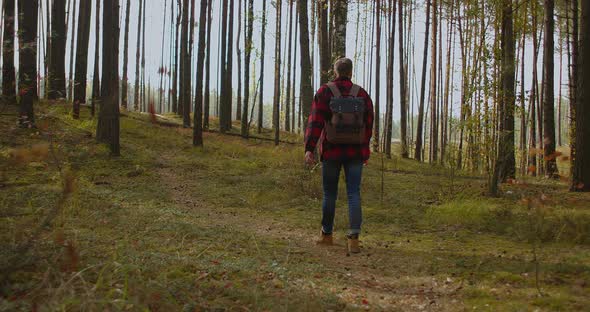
[334,88]
[354,91]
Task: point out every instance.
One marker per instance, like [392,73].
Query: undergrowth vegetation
[231,225]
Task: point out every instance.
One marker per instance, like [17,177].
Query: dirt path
[371,278]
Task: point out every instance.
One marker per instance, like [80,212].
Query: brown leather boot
[325,239]
[353,244]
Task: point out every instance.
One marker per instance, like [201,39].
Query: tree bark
[505,164]
[324,42]
[245,130]
[523,117]
[108,119]
[176,73]
[294,71]
[581,177]
[420,126]
[376,123]
[229,72]
[403,87]
[96,75]
[305,85]
[162,71]
[262,47]
[198,111]
[143,100]
[239,59]
[533,159]
[27,24]
[433,85]
[136,99]
[207,95]
[57,74]
[289,63]
[185,66]
[390,74]
[85,15]
[277,85]
[574,42]
[48,46]
[339,23]
[224,113]
[72,49]
[548,97]
[8,70]
[125,84]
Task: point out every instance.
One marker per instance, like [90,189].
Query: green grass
[231,225]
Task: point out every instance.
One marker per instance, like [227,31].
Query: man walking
[341,122]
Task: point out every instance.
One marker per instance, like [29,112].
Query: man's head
[343,67]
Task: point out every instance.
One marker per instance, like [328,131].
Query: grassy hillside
[169,227]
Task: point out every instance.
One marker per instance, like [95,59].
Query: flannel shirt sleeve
[317,118]
[370,116]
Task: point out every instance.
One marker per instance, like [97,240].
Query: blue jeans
[331,174]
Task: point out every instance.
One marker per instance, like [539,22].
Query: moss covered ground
[231,227]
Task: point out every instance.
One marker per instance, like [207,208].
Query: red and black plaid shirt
[320,112]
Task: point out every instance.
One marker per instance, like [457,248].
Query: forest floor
[231,227]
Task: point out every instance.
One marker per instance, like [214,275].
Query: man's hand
[309,158]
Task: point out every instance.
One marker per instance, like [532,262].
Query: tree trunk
[8,70]
[390,65]
[574,41]
[187,65]
[548,97]
[96,75]
[403,87]
[48,47]
[57,74]
[533,159]
[229,72]
[289,63]
[239,59]
[559,95]
[185,68]
[523,117]
[324,42]
[433,85]
[305,86]
[136,101]
[294,71]
[277,86]
[262,47]
[108,119]
[505,164]
[249,29]
[176,61]
[581,177]
[27,32]
[376,123]
[72,49]
[198,111]
[162,71]
[339,21]
[125,84]
[420,126]
[224,112]
[143,17]
[206,100]
[84,18]
[448,91]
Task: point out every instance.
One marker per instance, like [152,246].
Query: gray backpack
[347,123]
